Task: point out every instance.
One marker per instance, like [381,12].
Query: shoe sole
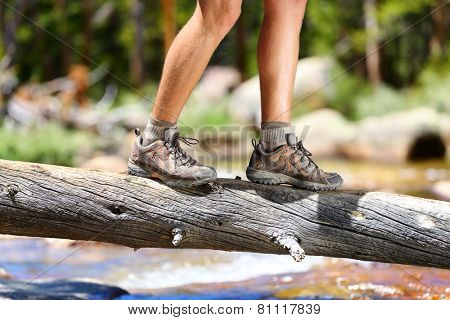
[270,178]
[137,171]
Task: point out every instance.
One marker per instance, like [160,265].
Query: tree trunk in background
[169,23]
[372,51]
[437,41]
[137,59]
[2,53]
[2,28]
[241,49]
[87,30]
[11,23]
[66,51]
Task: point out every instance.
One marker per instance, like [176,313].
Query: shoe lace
[178,153]
[303,152]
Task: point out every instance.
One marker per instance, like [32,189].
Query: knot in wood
[178,235]
[12,189]
[215,188]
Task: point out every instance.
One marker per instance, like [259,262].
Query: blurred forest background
[77,76]
[129,37]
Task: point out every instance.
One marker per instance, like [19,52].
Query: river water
[199,274]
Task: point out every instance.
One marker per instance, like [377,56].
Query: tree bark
[60,9]
[170,24]
[2,28]
[439,36]
[232,215]
[137,58]
[241,48]
[87,31]
[372,50]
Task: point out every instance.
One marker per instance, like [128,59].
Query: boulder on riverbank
[311,79]
[58,290]
[110,163]
[324,132]
[216,82]
[416,134]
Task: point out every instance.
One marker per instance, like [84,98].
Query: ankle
[155,130]
[273,134]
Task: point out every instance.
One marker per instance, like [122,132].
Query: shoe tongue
[169,133]
[291,139]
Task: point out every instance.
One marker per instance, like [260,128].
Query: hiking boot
[289,164]
[167,161]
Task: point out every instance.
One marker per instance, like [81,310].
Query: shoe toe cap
[334,178]
[206,173]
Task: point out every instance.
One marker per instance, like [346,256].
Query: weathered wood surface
[232,215]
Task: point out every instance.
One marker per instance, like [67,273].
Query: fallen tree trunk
[232,215]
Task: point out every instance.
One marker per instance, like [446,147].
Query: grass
[51,144]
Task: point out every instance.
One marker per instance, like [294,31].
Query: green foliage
[356,100]
[378,102]
[51,144]
[391,11]
[327,23]
[348,88]
[434,89]
[196,115]
[405,29]
[334,28]
[329,26]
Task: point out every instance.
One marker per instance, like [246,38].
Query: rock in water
[420,133]
[245,103]
[314,75]
[323,132]
[217,82]
[106,163]
[4,274]
[58,290]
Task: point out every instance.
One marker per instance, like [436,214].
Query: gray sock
[273,134]
[155,131]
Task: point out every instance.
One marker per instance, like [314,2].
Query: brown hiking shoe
[167,161]
[289,164]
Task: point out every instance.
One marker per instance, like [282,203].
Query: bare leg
[278,49]
[290,162]
[190,53]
